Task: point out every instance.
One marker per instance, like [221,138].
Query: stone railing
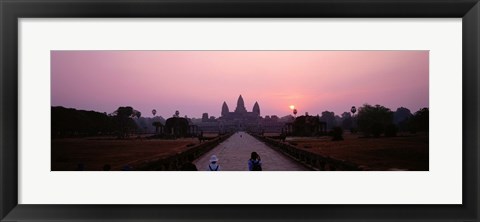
[311,160]
[175,162]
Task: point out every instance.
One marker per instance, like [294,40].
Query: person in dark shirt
[255,163]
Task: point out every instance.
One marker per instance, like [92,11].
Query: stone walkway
[233,155]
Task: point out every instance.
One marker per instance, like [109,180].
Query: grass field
[395,153]
[94,153]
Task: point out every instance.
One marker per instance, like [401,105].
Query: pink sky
[195,82]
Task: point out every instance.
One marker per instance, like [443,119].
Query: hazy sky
[195,82]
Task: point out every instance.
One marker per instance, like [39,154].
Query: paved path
[233,155]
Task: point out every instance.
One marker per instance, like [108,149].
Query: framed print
[116,110]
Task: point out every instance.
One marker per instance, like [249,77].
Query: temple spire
[225,110]
[240,105]
[256,109]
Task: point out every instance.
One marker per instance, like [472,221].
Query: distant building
[306,126]
[240,119]
[205,117]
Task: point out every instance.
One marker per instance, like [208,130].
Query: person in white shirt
[213,166]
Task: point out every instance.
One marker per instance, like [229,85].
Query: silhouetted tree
[372,120]
[420,121]
[337,134]
[401,118]
[391,130]
[123,116]
[346,115]
[347,122]
[177,126]
[329,118]
[67,122]
[401,114]
[142,124]
[126,112]
[306,125]
[147,123]
[338,121]
[157,125]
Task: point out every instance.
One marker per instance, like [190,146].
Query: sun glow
[292,107]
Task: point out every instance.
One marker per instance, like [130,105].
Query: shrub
[372,120]
[376,129]
[337,134]
[391,130]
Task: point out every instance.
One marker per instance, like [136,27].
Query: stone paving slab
[233,155]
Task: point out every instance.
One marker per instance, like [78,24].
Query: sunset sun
[292,107]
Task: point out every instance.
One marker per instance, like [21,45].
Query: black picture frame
[12,10]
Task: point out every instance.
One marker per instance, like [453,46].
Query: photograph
[161,110]
[111,108]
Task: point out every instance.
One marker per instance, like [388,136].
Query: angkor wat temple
[243,120]
[239,119]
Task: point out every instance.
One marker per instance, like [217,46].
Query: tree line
[377,120]
[68,122]
[370,120]
[121,123]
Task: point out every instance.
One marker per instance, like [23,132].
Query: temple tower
[225,110]
[240,105]
[256,109]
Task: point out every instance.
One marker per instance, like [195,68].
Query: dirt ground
[94,153]
[408,152]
